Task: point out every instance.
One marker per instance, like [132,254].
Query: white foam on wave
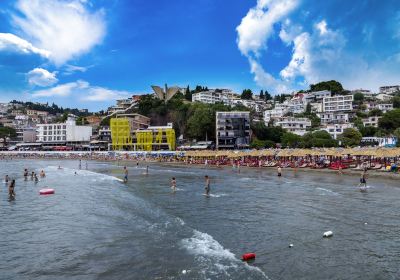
[326,190]
[80,172]
[211,253]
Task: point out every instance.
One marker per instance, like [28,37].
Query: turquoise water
[95,227]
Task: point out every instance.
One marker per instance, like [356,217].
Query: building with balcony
[333,118]
[337,103]
[67,132]
[278,112]
[232,130]
[297,126]
[389,89]
[371,121]
[212,96]
[336,129]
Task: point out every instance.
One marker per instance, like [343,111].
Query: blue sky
[87,53]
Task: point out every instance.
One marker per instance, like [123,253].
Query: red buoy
[248,256]
[46,191]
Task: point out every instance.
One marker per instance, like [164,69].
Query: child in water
[173,184]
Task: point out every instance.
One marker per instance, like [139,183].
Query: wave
[214,259]
[99,176]
[326,190]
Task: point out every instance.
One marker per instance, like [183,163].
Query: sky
[88,53]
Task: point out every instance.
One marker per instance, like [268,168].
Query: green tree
[247,94]
[350,137]
[319,138]
[375,112]
[188,94]
[260,144]
[261,94]
[291,140]
[334,86]
[396,102]
[390,120]
[7,132]
[201,123]
[267,95]
[358,98]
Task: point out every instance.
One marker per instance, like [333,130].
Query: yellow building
[120,134]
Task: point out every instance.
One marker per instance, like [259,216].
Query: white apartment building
[371,121]
[385,107]
[336,129]
[338,103]
[384,97]
[63,132]
[30,112]
[389,89]
[317,95]
[297,126]
[380,141]
[278,112]
[317,107]
[213,96]
[366,92]
[335,117]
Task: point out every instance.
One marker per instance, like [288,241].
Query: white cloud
[66,28]
[42,77]
[322,27]
[257,26]
[11,42]
[71,69]
[83,91]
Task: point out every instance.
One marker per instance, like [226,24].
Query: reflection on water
[96,227]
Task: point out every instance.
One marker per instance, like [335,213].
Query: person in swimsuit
[11,192]
[279,171]
[36,178]
[42,174]
[363,179]
[173,184]
[6,179]
[126,174]
[207,187]
[32,175]
[26,174]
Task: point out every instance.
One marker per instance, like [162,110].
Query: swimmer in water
[126,174]
[279,171]
[42,174]
[36,178]
[147,170]
[173,184]
[59,167]
[363,179]
[26,174]
[207,187]
[6,179]
[11,191]
[80,164]
[32,175]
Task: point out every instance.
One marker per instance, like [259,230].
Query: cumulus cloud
[71,69]
[13,43]
[254,31]
[83,91]
[65,28]
[41,77]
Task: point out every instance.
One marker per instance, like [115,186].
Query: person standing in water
[279,171]
[363,178]
[36,178]
[80,164]
[26,174]
[32,175]
[147,170]
[126,174]
[11,191]
[207,187]
[6,179]
[42,174]
[173,184]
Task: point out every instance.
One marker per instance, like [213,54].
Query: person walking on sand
[207,187]
[173,184]
[279,171]
[125,174]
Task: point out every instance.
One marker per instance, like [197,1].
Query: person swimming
[42,174]
[11,191]
[173,184]
[36,178]
[207,187]
[126,174]
[59,167]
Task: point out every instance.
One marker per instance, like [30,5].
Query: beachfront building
[297,126]
[336,129]
[335,117]
[389,89]
[232,130]
[155,138]
[337,103]
[379,141]
[371,121]
[64,133]
[25,134]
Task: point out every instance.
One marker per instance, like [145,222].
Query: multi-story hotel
[297,126]
[232,130]
[333,117]
[67,132]
[338,103]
